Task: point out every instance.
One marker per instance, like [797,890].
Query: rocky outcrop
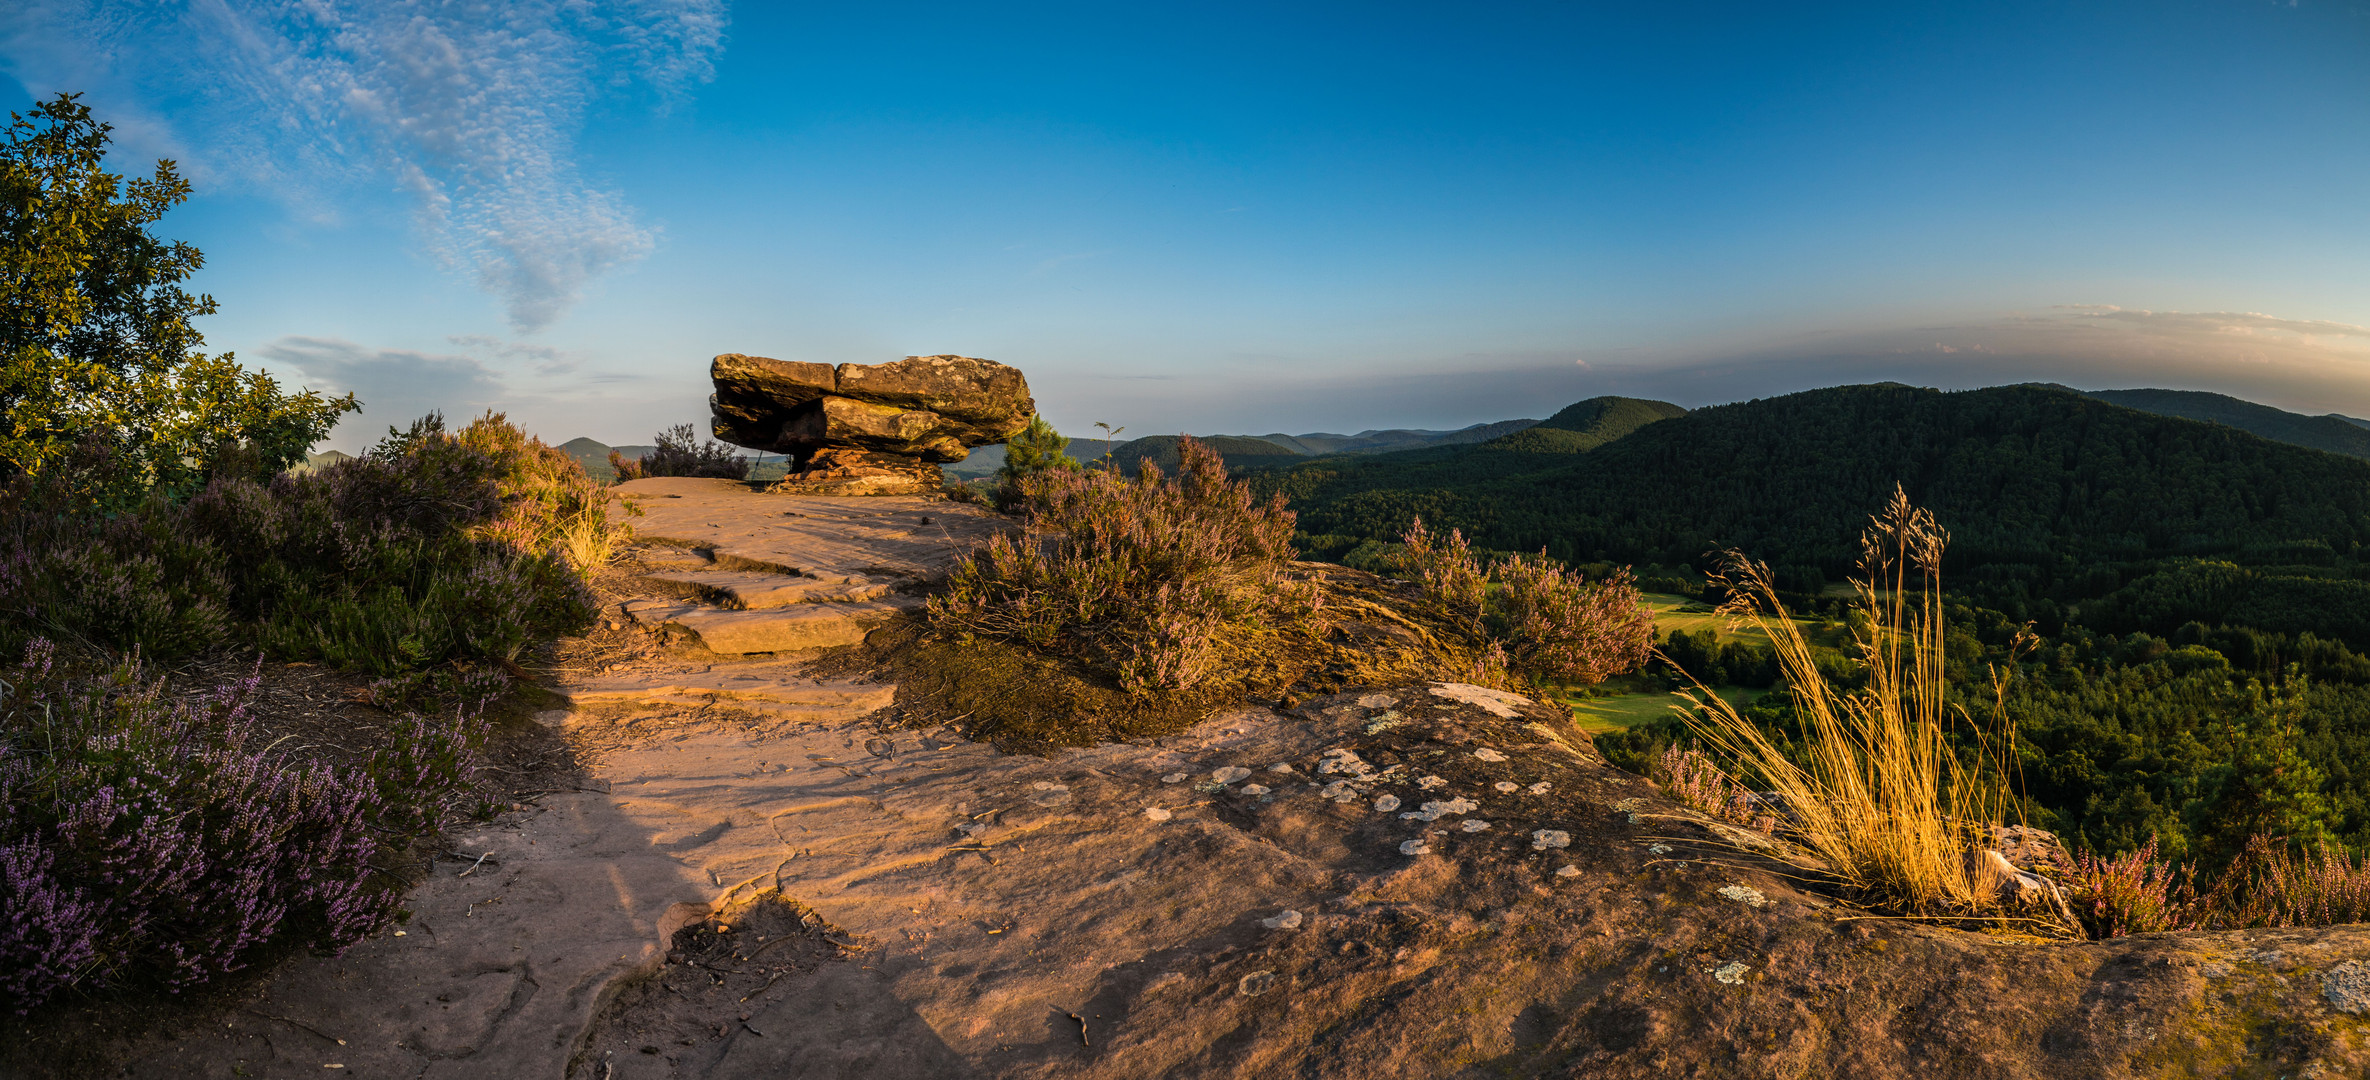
[867,429]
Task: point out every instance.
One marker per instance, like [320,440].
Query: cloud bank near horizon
[2306,366]
[471,109]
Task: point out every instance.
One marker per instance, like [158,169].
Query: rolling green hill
[1379,441]
[2056,502]
[1587,425]
[2333,433]
[1240,452]
[594,455]
[985,460]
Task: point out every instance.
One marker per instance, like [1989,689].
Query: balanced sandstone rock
[928,408]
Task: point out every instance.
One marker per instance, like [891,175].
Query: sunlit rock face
[867,428]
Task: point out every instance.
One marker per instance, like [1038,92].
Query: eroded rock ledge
[1416,881]
[867,429]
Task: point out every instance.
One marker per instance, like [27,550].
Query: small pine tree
[1035,449]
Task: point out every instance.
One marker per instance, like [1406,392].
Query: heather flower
[1534,618]
[1166,583]
[155,840]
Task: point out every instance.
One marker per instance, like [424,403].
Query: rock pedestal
[867,429]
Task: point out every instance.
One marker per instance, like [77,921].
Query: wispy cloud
[547,360]
[472,108]
[2240,323]
[395,385]
[2309,365]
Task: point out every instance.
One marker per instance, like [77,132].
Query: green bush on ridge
[431,548]
[1162,583]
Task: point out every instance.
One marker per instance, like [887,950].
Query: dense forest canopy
[2059,505]
[2329,431]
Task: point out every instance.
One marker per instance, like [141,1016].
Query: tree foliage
[2058,503]
[96,341]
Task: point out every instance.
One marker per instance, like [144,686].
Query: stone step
[775,688]
[781,629]
[753,590]
[665,557]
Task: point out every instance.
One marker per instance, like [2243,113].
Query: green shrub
[431,548]
[680,453]
[1160,583]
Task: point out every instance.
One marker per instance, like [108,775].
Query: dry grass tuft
[1875,791]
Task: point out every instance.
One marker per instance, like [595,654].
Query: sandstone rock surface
[1411,880]
[864,429]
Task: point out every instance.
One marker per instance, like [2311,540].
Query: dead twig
[292,1021]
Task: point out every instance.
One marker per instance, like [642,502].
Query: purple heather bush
[2271,883]
[1165,583]
[1691,777]
[1537,620]
[2133,893]
[431,548]
[154,840]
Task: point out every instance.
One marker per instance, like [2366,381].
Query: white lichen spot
[1659,849]
[1386,803]
[1230,774]
[1474,825]
[1385,722]
[1435,809]
[1256,983]
[1045,785]
[1543,839]
[1541,787]
[1507,786]
[972,828]
[1377,701]
[2347,986]
[1342,760]
[1173,778]
[1338,790]
[1487,754]
[1568,871]
[1285,920]
[1280,767]
[1427,783]
[1255,789]
[1158,813]
[1744,894]
[1732,973]
[1415,847]
[1497,703]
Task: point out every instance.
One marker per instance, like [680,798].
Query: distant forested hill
[1239,452]
[594,455]
[2331,432]
[1586,426]
[1248,451]
[1378,441]
[2052,498]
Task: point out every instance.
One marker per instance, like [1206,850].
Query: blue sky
[1218,218]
